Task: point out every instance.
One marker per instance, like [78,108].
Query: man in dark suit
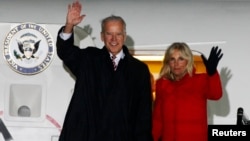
[107,104]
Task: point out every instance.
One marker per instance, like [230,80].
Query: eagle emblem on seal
[28,46]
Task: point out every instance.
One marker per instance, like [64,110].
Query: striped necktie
[113,61]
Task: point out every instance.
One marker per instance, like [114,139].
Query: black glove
[212,62]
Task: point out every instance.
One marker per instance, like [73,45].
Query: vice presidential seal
[28,48]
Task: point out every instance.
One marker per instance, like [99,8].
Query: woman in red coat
[180,110]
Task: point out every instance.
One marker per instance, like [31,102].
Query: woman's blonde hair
[185,52]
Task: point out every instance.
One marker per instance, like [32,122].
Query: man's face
[113,36]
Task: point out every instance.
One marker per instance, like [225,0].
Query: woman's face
[178,65]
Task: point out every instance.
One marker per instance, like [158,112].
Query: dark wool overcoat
[106,105]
